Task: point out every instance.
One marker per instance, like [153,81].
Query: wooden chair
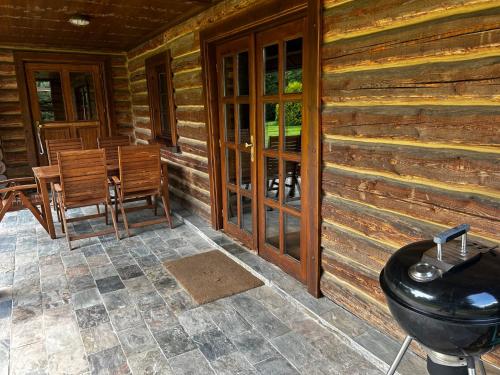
[59,145]
[54,146]
[84,182]
[110,146]
[141,177]
[19,193]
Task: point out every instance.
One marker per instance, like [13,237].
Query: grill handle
[450,234]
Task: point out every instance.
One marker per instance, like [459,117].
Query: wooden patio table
[50,173]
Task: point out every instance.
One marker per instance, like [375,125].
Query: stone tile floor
[110,307]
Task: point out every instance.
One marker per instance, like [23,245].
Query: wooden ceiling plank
[115,25]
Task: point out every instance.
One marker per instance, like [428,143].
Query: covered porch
[307,141]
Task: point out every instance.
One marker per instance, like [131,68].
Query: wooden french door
[66,101]
[279,102]
[261,124]
[237,129]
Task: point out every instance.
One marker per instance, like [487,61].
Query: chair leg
[106,213]
[55,199]
[98,209]
[6,206]
[116,203]
[125,221]
[65,225]
[166,207]
[155,202]
[34,211]
[113,218]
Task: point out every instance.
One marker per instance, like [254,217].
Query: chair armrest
[18,188]
[17,180]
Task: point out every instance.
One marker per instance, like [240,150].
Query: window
[161,98]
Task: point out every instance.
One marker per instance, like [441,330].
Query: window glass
[271,125]
[272,229]
[293,126]
[243,77]
[293,66]
[271,64]
[228,76]
[50,96]
[292,236]
[83,95]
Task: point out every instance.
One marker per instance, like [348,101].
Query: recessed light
[80,20]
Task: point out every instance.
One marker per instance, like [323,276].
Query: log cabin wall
[411,135]
[188,169]
[12,135]
[122,100]
[12,138]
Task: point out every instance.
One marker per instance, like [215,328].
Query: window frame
[153,64]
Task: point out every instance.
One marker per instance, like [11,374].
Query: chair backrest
[58,145]
[110,146]
[140,168]
[84,177]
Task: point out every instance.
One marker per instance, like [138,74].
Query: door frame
[255,18]
[21,58]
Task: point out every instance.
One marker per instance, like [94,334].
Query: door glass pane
[292,183]
[244,122]
[83,95]
[292,236]
[271,126]
[246,214]
[272,180]
[50,96]
[293,66]
[228,76]
[164,104]
[231,166]
[293,126]
[271,64]
[232,207]
[246,170]
[229,121]
[243,86]
[272,226]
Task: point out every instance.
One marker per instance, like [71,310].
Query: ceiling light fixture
[79,20]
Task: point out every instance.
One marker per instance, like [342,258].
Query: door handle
[251,145]
[39,136]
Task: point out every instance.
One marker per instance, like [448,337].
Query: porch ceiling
[115,25]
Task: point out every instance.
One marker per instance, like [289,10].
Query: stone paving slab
[111,307]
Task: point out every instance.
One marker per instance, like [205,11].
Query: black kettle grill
[446,295]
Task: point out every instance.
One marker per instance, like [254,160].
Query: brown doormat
[212,275]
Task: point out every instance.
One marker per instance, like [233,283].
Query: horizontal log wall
[188,169]
[122,101]
[12,137]
[411,135]
[12,133]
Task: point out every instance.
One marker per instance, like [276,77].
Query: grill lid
[456,280]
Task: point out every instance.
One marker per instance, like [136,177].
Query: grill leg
[471,366]
[480,365]
[401,353]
